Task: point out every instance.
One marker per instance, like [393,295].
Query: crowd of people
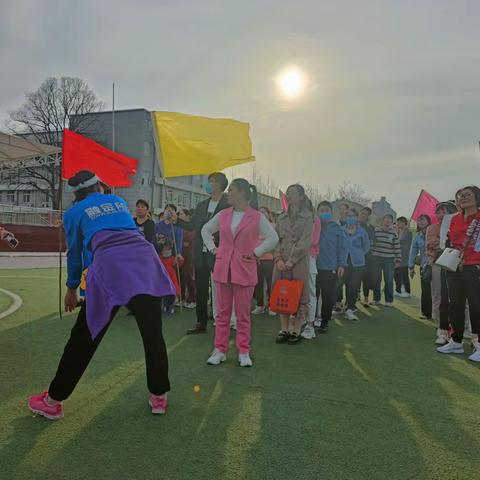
[339,258]
[226,257]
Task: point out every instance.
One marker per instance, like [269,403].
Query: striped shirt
[386,244]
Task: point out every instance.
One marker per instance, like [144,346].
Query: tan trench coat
[295,234]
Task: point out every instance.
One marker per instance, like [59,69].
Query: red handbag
[285,296]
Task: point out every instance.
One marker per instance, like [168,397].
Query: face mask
[326,216]
[209,188]
[167,253]
[351,221]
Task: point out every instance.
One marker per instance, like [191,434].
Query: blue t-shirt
[95,213]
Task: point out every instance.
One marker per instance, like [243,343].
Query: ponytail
[250,191]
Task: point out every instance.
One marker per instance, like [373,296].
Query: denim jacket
[418,249]
[358,245]
[332,247]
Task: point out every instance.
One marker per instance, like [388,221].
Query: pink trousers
[228,294]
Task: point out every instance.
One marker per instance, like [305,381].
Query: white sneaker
[217,357]
[475,356]
[389,304]
[308,332]
[190,306]
[258,310]
[397,294]
[442,337]
[317,322]
[405,295]
[244,360]
[272,314]
[376,302]
[350,315]
[451,347]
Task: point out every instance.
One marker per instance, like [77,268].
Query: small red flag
[283,201]
[81,153]
[426,205]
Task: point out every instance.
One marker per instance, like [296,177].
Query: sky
[392,97]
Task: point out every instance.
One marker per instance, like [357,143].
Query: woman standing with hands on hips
[235,272]
[294,228]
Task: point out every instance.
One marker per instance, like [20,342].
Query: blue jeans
[387,266]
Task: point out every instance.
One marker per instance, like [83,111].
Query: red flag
[81,153]
[283,201]
[426,205]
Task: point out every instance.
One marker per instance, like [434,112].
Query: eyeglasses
[464,195]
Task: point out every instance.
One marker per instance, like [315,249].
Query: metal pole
[113,116]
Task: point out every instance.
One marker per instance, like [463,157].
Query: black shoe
[323,329]
[198,328]
[282,337]
[294,339]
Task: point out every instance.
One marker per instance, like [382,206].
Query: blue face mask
[351,221]
[209,188]
[326,216]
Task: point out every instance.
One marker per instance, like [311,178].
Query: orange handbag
[286,295]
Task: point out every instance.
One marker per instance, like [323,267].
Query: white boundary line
[17,303]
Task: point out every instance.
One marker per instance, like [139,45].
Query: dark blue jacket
[333,251]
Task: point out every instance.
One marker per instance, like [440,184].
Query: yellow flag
[192,145]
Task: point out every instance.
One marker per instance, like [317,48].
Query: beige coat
[295,234]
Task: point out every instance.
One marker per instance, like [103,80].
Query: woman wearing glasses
[464,284]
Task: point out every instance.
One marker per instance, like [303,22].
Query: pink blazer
[234,260]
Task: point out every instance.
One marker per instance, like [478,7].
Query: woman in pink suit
[235,273]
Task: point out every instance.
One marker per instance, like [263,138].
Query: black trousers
[402,279]
[327,282]
[265,273]
[80,349]
[464,285]
[445,306]
[426,302]
[367,276]
[352,279]
[202,285]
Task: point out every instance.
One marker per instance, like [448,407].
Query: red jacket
[170,267]
[457,235]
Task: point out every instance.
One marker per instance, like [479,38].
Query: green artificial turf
[370,400]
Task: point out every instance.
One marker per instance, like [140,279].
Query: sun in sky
[291,82]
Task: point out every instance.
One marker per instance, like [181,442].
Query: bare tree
[353,192]
[57,104]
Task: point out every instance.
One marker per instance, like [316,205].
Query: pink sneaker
[159,404]
[38,405]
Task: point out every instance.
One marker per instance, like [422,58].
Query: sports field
[370,400]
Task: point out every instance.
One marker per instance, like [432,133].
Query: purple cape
[124,265]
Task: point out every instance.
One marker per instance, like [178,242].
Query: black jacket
[196,223]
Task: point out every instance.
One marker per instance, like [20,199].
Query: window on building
[170,197]
[145,180]
[26,197]
[10,197]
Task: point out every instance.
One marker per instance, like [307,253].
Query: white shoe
[317,322]
[350,315]
[396,294]
[190,306]
[376,302]
[258,310]
[389,304]
[244,360]
[404,295]
[308,332]
[272,314]
[442,337]
[217,357]
[475,356]
[451,347]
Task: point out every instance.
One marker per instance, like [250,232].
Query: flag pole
[113,122]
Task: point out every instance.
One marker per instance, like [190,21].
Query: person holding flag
[103,238]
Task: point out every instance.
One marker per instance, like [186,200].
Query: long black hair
[249,191]
[305,203]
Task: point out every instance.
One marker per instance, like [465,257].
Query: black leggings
[80,349]
[464,285]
